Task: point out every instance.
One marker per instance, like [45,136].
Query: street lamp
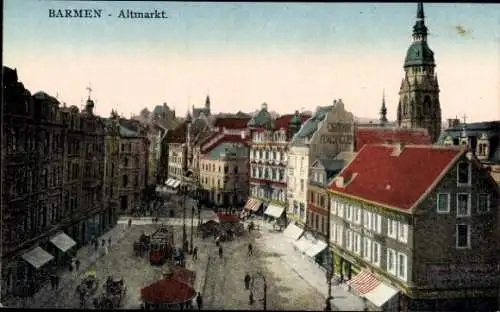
[252,287]
[192,221]
[184,234]
[329,271]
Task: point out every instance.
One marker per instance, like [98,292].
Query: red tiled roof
[284,121]
[227,217]
[169,290]
[231,122]
[227,138]
[397,181]
[390,136]
[178,135]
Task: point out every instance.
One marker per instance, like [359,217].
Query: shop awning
[317,247]
[63,242]
[174,288]
[381,294]
[292,231]
[302,244]
[274,211]
[171,183]
[176,184]
[169,180]
[363,283]
[37,257]
[252,205]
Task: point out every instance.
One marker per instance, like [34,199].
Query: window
[463,236]
[376,253]
[391,261]
[357,243]
[402,266]
[366,219]
[403,232]
[340,235]
[443,203]
[302,185]
[367,246]
[340,209]
[333,205]
[463,173]
[483,203]
[348,239]
[463,205]
[349,212]
[357,215]
[333,232]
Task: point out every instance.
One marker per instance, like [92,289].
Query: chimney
[398,149]
[264,106]
[339,181]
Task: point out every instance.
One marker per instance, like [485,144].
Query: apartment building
[415,228]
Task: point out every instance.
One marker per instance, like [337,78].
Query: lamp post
[192,226]
[198,203]
[184,234]
[329,271]
[252,287]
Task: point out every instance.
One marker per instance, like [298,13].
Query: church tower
[419,105]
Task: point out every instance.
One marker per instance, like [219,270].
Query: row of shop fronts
[271,212]
[25,273]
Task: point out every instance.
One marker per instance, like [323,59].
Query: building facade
[269,159]
[54,170]
[429,242]
[419,105]
[134,160]
[483,138]
[327,134]
[224,172]
[112,175]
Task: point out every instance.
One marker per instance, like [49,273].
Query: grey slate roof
[228,147]
[311,125]
[125,132]
[332,164]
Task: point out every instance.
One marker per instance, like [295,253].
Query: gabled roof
[399,181]
[370,135]
[178,135]
[225,148]
[226,138]
[231,122]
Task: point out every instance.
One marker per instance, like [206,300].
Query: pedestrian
[199,301]
[96,245]
[250,249]
[52,281]
[195,253]
[109,242]
[129,222]
[77,264]
[247,281]
[103,242]
[56,281]
[220,252]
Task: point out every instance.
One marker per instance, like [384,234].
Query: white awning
[37,257]
[381,294]
[302,244]
[317,246]
[171,183]
[63,241]
[169,180]
[292,231]
[176,184]
[274,211]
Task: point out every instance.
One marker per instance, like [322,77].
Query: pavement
[307,269]
[87,256]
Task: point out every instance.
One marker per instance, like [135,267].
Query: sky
[293,56]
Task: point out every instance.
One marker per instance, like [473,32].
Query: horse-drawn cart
[113,294]
[87,287]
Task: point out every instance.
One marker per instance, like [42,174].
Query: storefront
[293,231]
[311,247]
[37,272]
[62,247]
[251,207]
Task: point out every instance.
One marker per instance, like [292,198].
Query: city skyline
[291,56]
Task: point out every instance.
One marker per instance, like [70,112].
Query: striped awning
[363,283]
[169,180]
[176,184]
[252,205]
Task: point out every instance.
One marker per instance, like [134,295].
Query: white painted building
[327,133]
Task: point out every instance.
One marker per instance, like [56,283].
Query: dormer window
[464,173]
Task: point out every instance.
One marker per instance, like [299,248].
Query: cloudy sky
[290,55]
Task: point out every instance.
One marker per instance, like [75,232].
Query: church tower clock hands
[419,105]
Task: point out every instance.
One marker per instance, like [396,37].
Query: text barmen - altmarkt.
[98,13]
